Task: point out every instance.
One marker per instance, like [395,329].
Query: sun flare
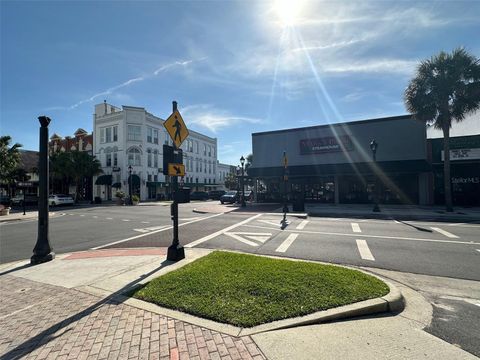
[288,11]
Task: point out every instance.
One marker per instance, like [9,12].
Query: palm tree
[9,159]
[446,87]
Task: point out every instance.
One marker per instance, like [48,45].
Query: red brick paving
[40,321]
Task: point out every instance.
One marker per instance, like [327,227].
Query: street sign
[176,128]
[171,156]
[176,169]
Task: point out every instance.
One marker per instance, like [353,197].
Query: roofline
[355,122]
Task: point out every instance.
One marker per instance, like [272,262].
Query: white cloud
[214,119]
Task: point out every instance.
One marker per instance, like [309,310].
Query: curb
[26,218]
[297,215]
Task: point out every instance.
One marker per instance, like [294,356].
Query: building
[464,161]
[81,141]
[223,170]
[334,163]
[129,141]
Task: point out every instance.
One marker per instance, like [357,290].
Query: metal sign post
[178,132]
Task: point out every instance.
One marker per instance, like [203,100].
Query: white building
[131,136]
[222,172]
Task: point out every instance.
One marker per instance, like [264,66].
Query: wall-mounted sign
[463,154]
[115,169]
[466,180]
[326,145]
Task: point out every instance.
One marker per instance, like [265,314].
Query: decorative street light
[242,162]
[130,180]
[373,147]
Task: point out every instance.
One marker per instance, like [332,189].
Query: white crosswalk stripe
[443,232]
[364,250]
[356,228]
[286,244]
[302,224]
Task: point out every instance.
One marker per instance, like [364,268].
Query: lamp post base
[175,253]
[39,259]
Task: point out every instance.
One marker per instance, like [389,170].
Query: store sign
[325,145]
[463,154]
[466,180]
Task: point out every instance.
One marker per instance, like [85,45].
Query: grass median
[247,290]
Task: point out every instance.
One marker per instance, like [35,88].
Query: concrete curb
[385,216]
[27,217]
[392,302]
[297,215]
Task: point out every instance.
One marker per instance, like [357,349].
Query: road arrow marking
[443,232]
[364,250]
[286,244]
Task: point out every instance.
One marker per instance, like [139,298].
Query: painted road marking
[82,215]
[364,250]
[125,220]
[467,300]
[443,232]
[154,232]
[109,218]
[271,222]
[397,222]
[240,236]
[220,232]
[141,230]
[478,250]
[302,224]
[286,244]
[145,222]
[371,236]
[356,228]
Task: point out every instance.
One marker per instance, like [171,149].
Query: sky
[234,67]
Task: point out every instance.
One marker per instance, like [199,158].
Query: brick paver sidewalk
[39,321]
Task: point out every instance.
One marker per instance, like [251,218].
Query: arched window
[134,156]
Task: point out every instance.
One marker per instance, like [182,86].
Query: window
[155,158]
[109,160]
[108,134]
[196,147]
[200,165]
[205,163]
[115,159]
[134,133]
[134,157]
[149,158]
[209,150]
[149,177]
[149,134]
[155,178]
[155,136]
[166,138]
[204,149]
[196,165]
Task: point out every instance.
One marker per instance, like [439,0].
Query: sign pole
[175,251]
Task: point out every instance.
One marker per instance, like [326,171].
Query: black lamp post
[42,252]
[373,147]
[242,162]
[130,184]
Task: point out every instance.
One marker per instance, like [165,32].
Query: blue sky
[235,67]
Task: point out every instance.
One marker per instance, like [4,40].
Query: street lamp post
[374,147]
[285,179]
[42,252]
[242,162]
[130,184]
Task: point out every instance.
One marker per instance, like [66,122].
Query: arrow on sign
[244,236]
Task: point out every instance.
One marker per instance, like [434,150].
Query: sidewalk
[18,215]
[399,212]
[70,308]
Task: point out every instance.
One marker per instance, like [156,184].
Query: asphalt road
[437,250]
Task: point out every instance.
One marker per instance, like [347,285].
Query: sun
[288,11]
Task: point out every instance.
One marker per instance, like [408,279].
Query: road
[446,256]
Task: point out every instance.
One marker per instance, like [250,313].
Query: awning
[388,167]
[104,180]
[117,185]
[135,180]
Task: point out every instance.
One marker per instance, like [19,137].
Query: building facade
[334,163]
[223,170]
[129,141]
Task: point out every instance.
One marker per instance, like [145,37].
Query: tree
[9,159]
[84,166]
[231,181]
[446,87]
[61,168]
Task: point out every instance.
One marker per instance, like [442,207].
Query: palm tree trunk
[446,168]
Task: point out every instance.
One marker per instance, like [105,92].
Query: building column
[337,187]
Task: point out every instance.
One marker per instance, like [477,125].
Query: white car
[59,199]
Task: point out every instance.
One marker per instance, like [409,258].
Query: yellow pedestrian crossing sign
[176,128]
[176,169]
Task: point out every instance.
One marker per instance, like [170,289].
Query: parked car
[59,199]
[229,197]
[29,199]
[199,195]
[216,194]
